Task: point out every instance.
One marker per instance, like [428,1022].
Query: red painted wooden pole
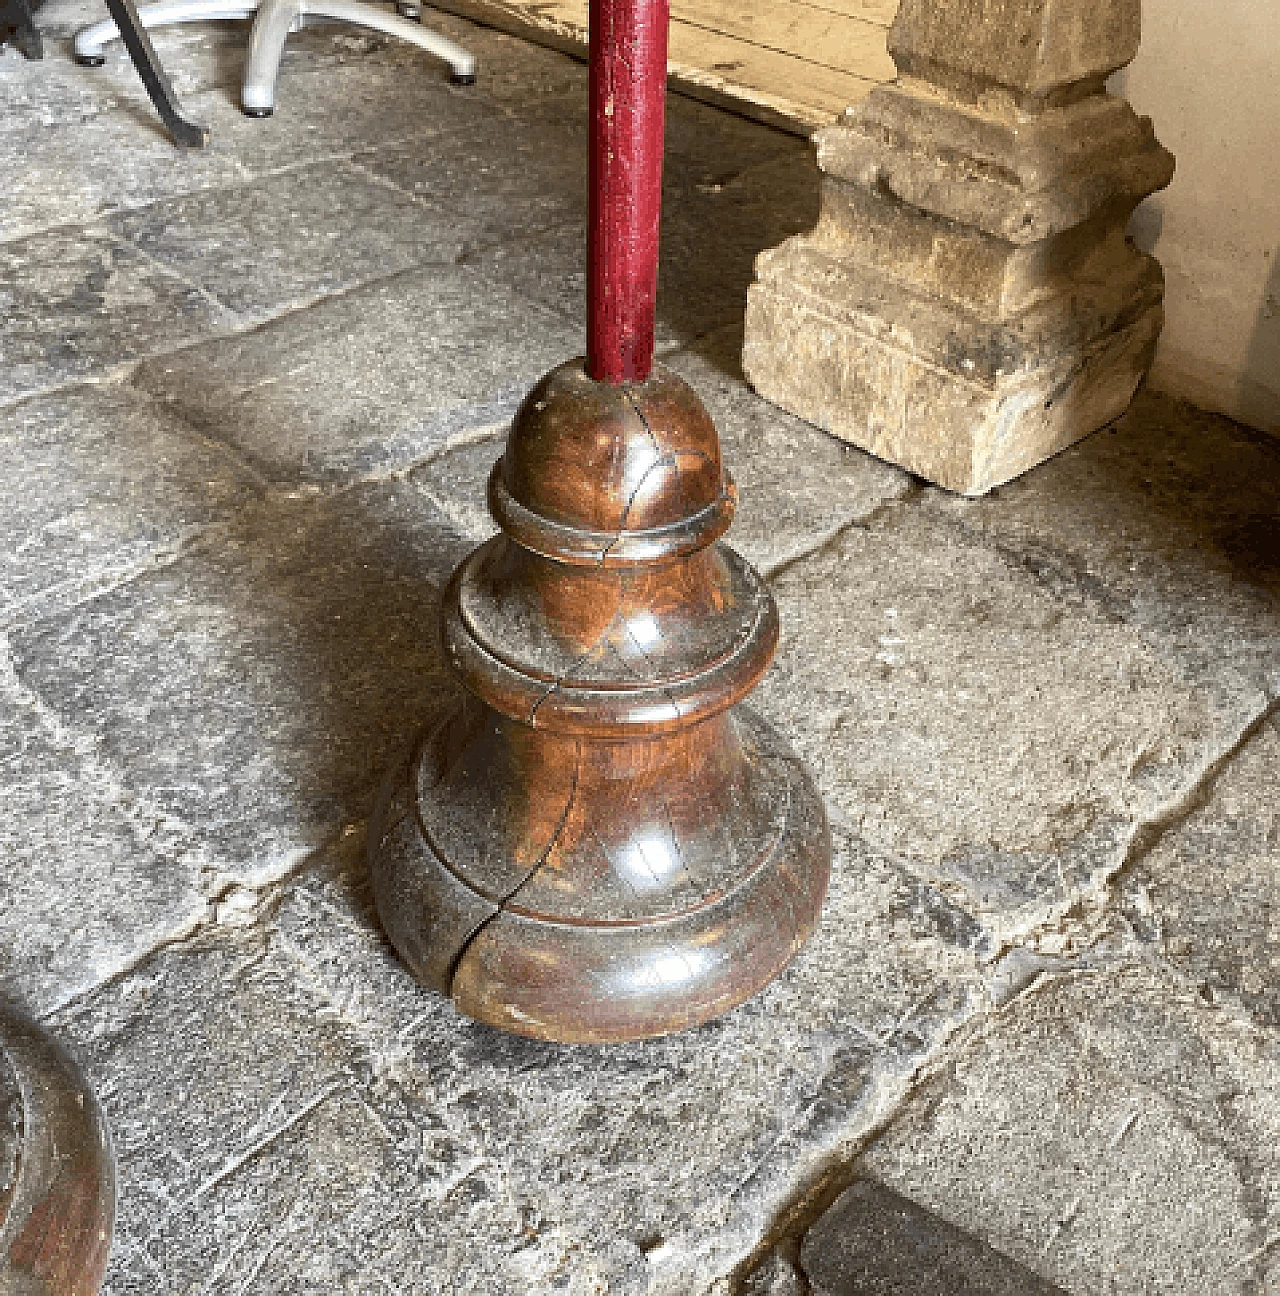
[628,85]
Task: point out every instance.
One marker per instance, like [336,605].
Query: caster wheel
[257,112]
[463,78]
[91,60]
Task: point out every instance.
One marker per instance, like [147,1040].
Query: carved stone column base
[965,402]
[968,304]
[601,843]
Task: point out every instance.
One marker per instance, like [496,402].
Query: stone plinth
[968,303]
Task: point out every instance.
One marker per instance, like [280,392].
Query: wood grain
[796,64]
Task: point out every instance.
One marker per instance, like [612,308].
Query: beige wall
[1208,74]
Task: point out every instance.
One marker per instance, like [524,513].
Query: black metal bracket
[186,133]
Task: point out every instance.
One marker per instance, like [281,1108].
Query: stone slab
[86,139]
[1166,520]
[1109,1130]
[1004,741]
[254,689]
[511,72]
[706,145]
[261,1142]
[696,295]
[74,171]
[1206,899]
[872,1241]
[327,109]
[117,156]
[287,1104]
[196,56]
[714,227]
[283,240]
[36,94]
[456,479]
[474,180]
[540,160]
[369,381]
[550,267]
[92,879]
[110,484]
[339,93]
[77,302]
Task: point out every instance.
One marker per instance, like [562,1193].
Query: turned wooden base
[599,843]
[598,892]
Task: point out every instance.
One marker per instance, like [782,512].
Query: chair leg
[274,21]
[186,133]
[462,64]
[89,41]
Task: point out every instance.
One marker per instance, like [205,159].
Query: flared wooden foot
[624,890]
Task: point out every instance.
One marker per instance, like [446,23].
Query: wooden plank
[563,19]
[880,12]
[849,45]
[767,85]
[809,93]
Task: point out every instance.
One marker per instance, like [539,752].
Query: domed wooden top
[613,458]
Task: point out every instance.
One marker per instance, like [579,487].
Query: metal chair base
[273,20]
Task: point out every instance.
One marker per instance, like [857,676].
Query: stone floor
[248,399]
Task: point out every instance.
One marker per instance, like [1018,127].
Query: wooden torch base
[599,844]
